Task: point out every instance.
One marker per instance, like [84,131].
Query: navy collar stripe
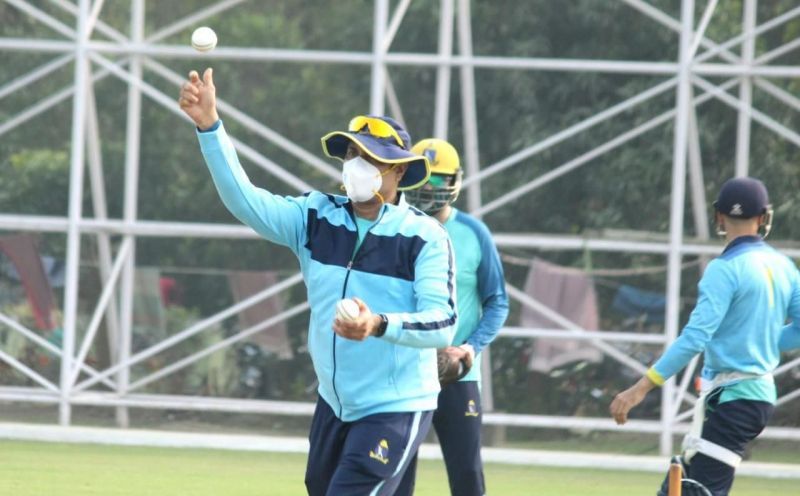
[740,245]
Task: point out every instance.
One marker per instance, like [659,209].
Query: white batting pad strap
[692,445]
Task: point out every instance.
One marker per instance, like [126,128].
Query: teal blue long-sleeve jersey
[482,298]
[745,297]
[403,267]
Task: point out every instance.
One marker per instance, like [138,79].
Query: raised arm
[278,219]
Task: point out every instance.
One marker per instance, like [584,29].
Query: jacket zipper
[344,293]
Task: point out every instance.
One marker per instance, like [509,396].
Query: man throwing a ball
[377,373]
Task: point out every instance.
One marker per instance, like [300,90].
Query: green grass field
[37,469]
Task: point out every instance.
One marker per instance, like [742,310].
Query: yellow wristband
[655,377]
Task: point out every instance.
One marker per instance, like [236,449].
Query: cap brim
[335,145]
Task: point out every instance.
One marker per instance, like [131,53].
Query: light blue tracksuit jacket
[745,297]
[404,268]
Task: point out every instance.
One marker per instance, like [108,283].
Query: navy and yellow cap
[742,198]
[383,139]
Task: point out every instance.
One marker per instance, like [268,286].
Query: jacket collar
[742,240]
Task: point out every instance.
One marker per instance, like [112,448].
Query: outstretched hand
[198,99]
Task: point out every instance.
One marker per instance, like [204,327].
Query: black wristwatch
[382,325]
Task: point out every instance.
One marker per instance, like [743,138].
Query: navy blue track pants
[457,421]
[733,425]
[366,457]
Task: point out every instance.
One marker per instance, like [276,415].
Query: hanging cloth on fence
[23,252]
[571,293]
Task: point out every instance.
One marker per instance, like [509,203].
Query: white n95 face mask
[361,179]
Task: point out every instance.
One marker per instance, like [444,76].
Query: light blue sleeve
[277,219]
[790,337]
[716,290]
[492,290]
[790,334]
[433,325]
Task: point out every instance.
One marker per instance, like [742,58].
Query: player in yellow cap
[482,309]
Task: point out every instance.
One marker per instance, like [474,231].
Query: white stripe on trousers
[411,439]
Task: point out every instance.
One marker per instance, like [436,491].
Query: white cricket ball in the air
[204,39]
[347,309]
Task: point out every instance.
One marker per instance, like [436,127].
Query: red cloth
[23,252]
[171,293]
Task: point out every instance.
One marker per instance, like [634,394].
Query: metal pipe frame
[100,207]
[441,111]
[672,316]
[139,52]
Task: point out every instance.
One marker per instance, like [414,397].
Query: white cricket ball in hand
[204,39]
[347,309]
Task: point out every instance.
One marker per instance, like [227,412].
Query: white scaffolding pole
[192,330]
[745,91]
[93,15]
[696,181]
[761,29]
[47,345]
[683,107]
[571,131]
[186,361]
[100,208]
[196,17]
[27,371]
[442,103]
[585,158]
[75,211]
[47,103]
[169,103]
[763,119]
[48,20]
[105,299]
[230,111]
[697,38]
[394,24]
[469,113]
[378,85]
[35,75]
[130,207]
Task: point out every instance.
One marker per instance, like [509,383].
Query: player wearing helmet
[744,298]
[482,310]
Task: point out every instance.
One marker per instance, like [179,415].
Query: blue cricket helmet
[742,198]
